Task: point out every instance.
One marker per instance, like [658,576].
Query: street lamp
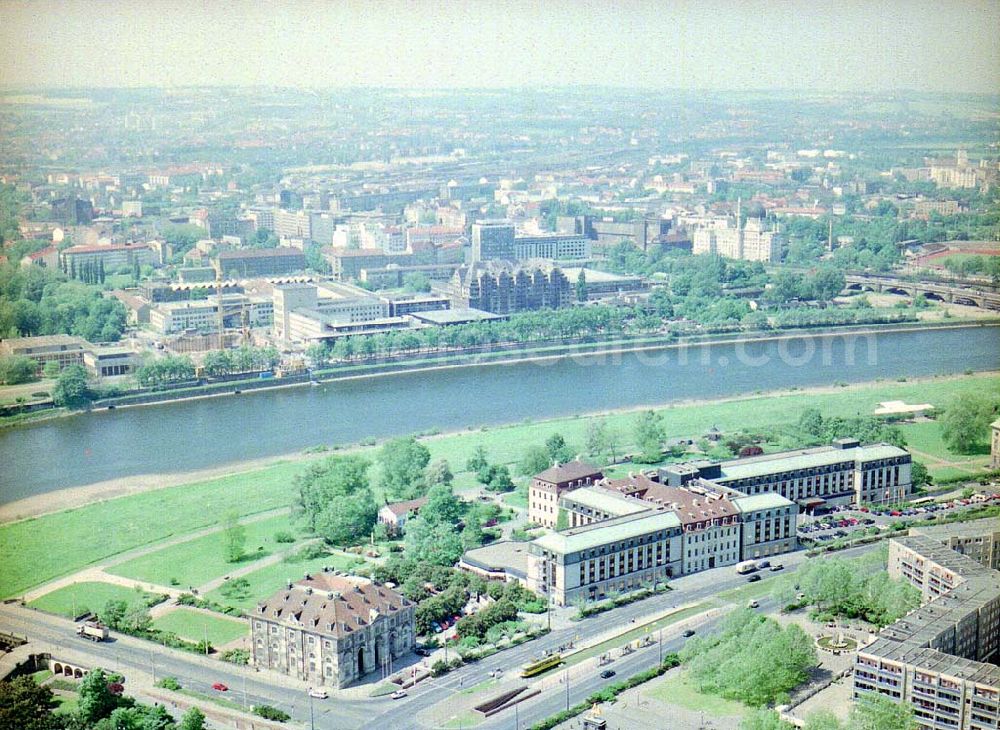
[312,724]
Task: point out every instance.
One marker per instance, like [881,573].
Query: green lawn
[88,596]
[40,549]
[198,561]
[47,547]
[927,437]
[194,625]
[267,580]
[677,690]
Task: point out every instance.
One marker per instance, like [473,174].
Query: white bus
[747,566]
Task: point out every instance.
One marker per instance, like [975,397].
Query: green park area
[90,596]
[44,548]
[198,561]
[196,625]
[268,579]
[678,689]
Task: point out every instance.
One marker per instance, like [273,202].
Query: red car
[220,687]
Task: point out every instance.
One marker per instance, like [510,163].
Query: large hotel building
[622,534]
[941,658]
[635,532]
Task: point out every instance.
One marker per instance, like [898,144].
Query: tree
[919,474]
[497,478]
[51,370]
[432,543]
[597,437]
[649,436]
[828,282]
[193,719]
[557,449]
[878,712]
[322,483]
[403,461]
[348,518]
[18,369]
[811,421]
[234,539]
[442,505]
[535,459]
[26,705]
[72,389]
[97,701]
[440,473]
[478,461]
[966,421]
[581,287]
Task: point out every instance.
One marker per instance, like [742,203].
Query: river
[196,434]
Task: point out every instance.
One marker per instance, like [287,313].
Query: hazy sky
[848,45]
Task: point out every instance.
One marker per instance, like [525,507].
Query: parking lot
[843,522]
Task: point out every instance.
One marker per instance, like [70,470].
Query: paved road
[136,658]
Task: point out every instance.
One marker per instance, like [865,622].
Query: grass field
[927,437]
[84,597]
[194,625]
[198,561]
[270,578]
[678,690]
[47,547]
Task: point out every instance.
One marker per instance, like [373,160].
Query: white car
[753,604]
[319,693]
[398,694]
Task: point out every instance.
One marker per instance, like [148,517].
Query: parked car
[607,674]
[219,686]
[764,564]
[776,567]
[319,693]
[421,651]
[753,604]
[688,632]
[398,694]
[753,578]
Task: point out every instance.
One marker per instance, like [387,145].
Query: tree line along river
[212,432]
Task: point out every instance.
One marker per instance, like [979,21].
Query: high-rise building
[492,240]
[748,242]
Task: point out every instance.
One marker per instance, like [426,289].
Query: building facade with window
[330,629]
[843,473]
[548,486]
[940,658]
[626,534]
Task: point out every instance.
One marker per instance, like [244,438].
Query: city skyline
[855,47]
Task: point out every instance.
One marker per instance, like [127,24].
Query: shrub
[439,667]
[284,536]
[236,656]
[271,713]
[169,683]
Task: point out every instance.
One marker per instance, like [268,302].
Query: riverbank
[47,547]
[74,497]
[537,353]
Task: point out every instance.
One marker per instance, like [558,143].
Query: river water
[197,434]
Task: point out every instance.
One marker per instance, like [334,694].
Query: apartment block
[941,658]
